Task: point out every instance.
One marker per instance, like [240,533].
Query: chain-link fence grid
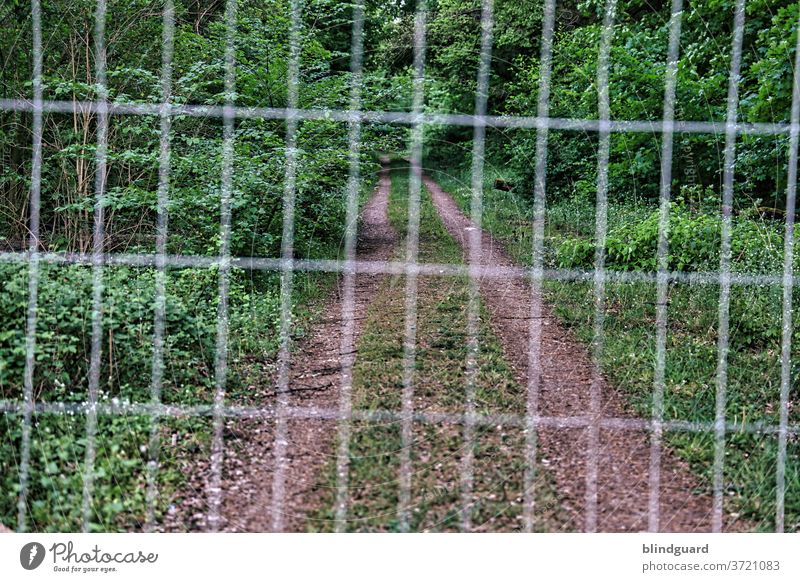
[287,265]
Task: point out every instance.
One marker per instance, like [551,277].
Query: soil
[567,370]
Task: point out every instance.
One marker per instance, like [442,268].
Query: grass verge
[439,382]
[753,390]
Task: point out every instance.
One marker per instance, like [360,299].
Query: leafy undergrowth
[753,389]
[439,386]
[58,441]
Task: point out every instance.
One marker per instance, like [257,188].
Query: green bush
[63,349]
[694,243]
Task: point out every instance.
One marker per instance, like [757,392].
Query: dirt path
[314,382]
[623,456]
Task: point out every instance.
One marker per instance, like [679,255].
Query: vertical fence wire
[347,349]
[160,307]
[226,191]
[725,265]
[33,269]
[98,244]
[287,271]
[537,271]
[475,253]
[662,279]
[412,254]
[788,269]
[601,227]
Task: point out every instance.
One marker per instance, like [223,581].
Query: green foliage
[130,199]
[63,346]
[64,323]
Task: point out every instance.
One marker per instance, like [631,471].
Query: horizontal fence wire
[405,118]
[377,415]
[147,260]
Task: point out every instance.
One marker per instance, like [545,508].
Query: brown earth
[623,456]
[566,375]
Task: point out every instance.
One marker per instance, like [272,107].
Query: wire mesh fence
[280,410]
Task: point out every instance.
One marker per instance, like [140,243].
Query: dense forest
[134,72]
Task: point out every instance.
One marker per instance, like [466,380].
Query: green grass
[440,383]
[629,348]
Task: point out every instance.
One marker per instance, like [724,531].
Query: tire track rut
[315,380]
[566,376]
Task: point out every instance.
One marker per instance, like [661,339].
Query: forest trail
[315,381]
[566,376]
